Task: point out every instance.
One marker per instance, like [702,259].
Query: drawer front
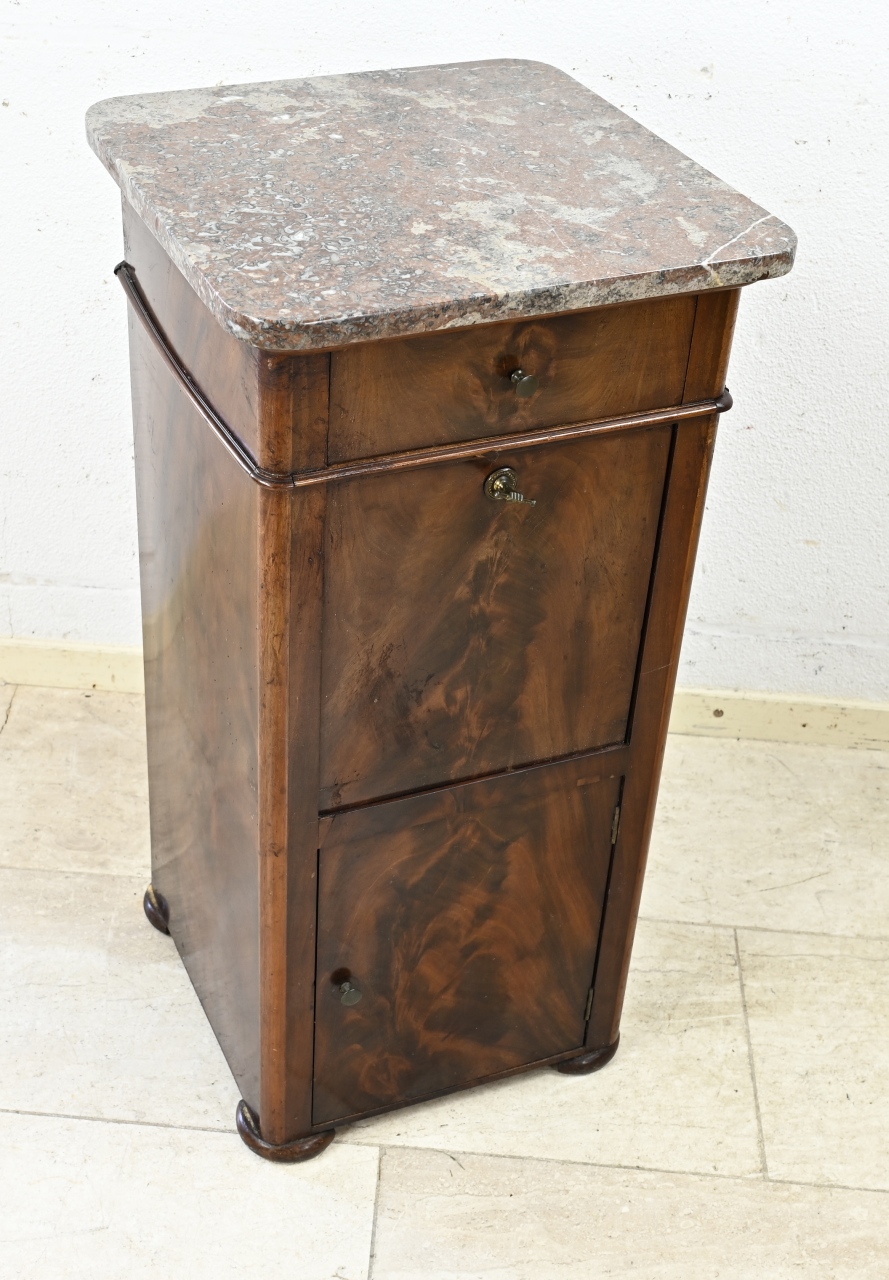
[467,920]
[387,396]
[463,636]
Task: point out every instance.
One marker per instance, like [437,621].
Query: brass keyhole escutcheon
[502,486]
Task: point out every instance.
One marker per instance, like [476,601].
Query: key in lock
[500,486]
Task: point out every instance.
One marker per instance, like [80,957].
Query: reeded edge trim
[587,1063]
[287,1152]
[157,909]
[409,459]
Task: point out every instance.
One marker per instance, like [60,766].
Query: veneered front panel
[386,396]
[464,636]
[468,920]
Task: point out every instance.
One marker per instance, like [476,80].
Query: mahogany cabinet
[423,425]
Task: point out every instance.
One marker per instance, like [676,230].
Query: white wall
[786,99]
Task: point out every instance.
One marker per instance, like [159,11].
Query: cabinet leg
[588,1062]
[157,909]
[287,1152]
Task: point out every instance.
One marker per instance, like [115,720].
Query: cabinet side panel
[224,369]
[671,585]
[198,559]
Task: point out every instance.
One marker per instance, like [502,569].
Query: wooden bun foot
[588,1062]
[157,909]
[287,1152]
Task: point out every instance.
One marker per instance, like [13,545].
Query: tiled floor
[742,1132]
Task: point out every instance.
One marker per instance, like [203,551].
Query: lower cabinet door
[457,933]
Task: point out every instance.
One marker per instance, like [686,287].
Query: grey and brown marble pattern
[313,213]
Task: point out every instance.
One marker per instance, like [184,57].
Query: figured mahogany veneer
[404,741]
[386,396]
[468,917]
[464,636]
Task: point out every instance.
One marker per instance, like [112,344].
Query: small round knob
[348,993]
[525,384]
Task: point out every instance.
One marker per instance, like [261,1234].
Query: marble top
[314,213]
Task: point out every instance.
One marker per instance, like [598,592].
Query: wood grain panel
[468,919]
[198,516]
[683,512]
[224,368]
[464,636]
[403,394]
[231,582]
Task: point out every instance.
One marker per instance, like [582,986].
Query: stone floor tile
[819,1027]
[97,1015]
[442,1216]
[107,1201]
[771,835]
[678,1095]
[73,782]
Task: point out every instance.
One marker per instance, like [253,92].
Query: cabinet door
[468,920]
[463,636]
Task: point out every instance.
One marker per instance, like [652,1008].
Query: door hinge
[615,825]
[589,1005]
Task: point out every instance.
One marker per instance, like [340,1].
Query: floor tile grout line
[759,1130]
[629,1168]
[144,875]
[139,1124]
[760,928]
[15,690]
[373,1229]
[444,1151]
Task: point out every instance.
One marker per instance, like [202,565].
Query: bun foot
[287,1152]
[157,909]
[588,1062]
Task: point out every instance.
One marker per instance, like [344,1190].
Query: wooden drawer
[387,396]
[464,636]
[468,920]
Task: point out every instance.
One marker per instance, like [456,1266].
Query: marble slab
[74,782]
[97,1015]
[94,1201]
[468,1217]
[771,835]
[819,1033]
[313,213]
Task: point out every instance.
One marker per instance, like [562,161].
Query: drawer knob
[525,384]
[500,486]
[348,993]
